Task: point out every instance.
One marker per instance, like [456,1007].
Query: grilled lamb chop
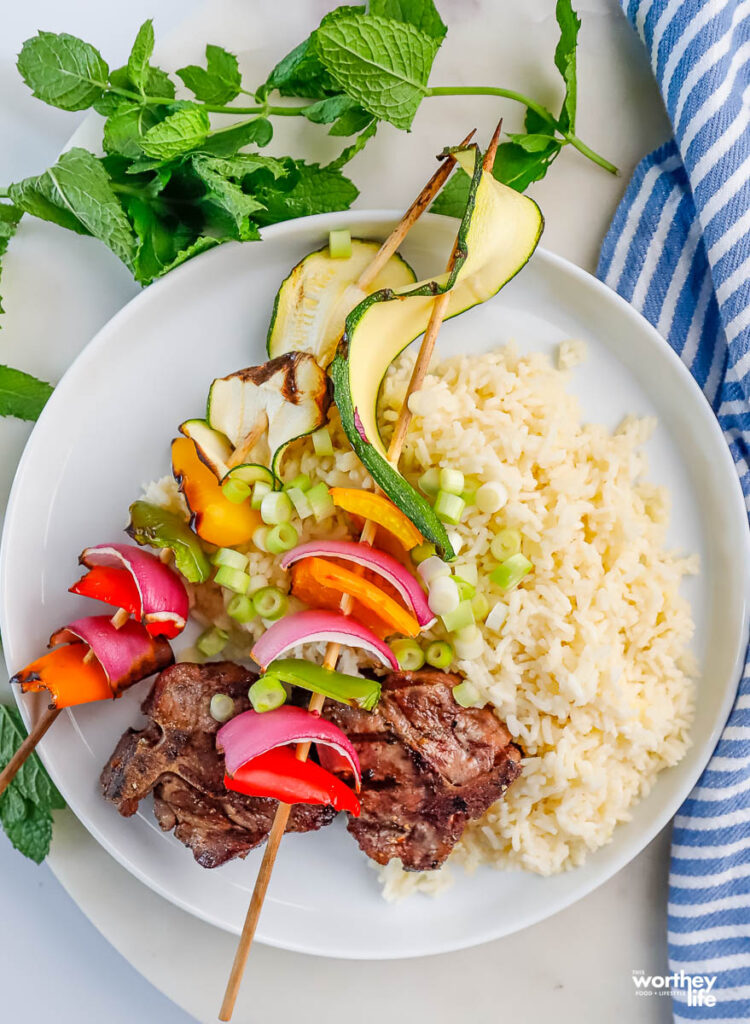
[428,767]
[175,756]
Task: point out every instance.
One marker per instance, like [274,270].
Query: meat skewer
[317,701]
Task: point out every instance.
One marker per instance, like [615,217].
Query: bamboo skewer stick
[367,536]
[27,748]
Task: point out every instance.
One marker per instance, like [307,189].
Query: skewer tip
[489,157]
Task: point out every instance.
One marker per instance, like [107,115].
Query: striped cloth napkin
[679,251]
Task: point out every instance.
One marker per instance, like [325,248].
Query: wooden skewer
[11,769]
[409,219]
[368,535]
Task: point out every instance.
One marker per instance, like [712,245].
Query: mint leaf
[202,244]
[422,14]
[24,397]
[382,64]
[452,198]
[348,116]
[9,218]
[140,55]
[223,199]
[32,834]
[228,141]
[565,61]
[186,129]
[315,190]
[77,194]
[160,238]
[32,780]
[301,72]
[124,129]
[62,70]
[356,147]
[13,807]
[531,143]
[217,83]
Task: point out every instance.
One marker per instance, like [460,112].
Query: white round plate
[106,431]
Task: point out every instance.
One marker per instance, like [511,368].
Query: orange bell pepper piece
[336,577]
[380,510]
[309,590]
[69,678]
[214,517]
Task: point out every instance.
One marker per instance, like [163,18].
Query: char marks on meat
[428,767]
[175,756]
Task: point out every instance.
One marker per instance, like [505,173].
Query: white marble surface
[575,967]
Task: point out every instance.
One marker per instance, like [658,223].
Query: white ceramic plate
[105,432]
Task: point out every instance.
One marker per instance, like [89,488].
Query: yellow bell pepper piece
[380,510]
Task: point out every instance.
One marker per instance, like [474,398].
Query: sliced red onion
[250,734]
[312,627]
[127,654]
[369,558]
[164,600]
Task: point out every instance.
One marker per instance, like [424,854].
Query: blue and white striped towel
[679,251]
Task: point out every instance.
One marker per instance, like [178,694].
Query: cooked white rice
[590,668]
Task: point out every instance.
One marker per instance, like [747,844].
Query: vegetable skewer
[367,537]
[29,745]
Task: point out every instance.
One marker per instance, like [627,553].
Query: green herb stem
[211,108]
[511,94]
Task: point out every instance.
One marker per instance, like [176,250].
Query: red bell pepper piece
[112,586]
[280,775]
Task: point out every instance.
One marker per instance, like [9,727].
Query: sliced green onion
[491,497]
[457,541]
[230,557]
[467,571]
[275,508]
[505,543]
[235,491]
[302,482]
[321,440]
[270,603]
[469,497]
[510,572]
[241,608]
[221,707]
[321,502]
[466,694]
[212,642]
[451,481]
[497,617]
[339,244]
[260,538]
[443,597]
[431,569]
[232,579]
[282,537]
[266,694]
[480,606]
[439,654]
[449,507]
[422,552]
[459,618]
[466,590]
[469,642]
[298,498]
[260,490]
[409,654]
[429,482]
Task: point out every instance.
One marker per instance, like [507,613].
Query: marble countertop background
[578,965]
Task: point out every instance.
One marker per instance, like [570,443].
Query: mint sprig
[173,185]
